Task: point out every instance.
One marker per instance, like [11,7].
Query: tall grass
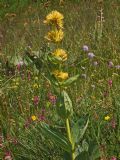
[91,94]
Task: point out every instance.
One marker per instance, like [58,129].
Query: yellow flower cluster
[60,53]
[60,75]
[55,18]
[55,36]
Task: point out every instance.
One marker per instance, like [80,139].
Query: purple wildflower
[113,158]
[36,100]
[19,65]
[85,48]
[91,55]
[42,115]
[52,98]
[8,156]
[110,83]
[113,123]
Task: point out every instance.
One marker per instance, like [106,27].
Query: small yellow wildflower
[55,36]
[55,18]
[60,75]
[33,117]
[60,53]
[107,118]
[35,86]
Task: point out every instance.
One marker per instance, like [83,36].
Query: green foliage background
[26,28]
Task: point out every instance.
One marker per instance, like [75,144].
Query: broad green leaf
[64,105]
[68,104]
[61,108]
[78,130]
[56,136]
[70,80]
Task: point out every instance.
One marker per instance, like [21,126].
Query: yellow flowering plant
[60,80]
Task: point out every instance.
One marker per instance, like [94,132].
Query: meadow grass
[94,94]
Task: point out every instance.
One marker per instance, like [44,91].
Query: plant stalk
[70,137]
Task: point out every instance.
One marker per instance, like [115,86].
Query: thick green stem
[70,137]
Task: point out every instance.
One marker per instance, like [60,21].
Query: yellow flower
[55,18]
[107,118]
[33,118]
[35,86]
[60,53]
[55,36]
[60,75]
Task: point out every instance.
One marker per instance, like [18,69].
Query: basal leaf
[56,136]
